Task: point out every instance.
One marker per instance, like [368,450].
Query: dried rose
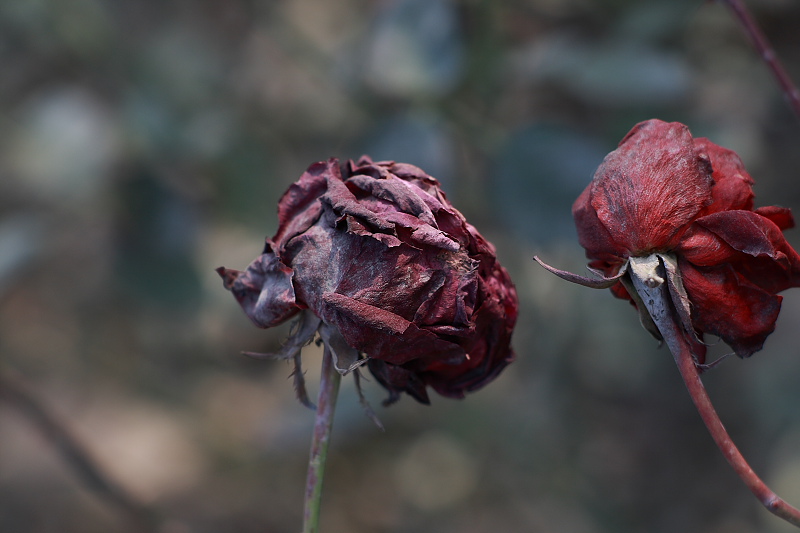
[668,221]
[664,197]
[389,273]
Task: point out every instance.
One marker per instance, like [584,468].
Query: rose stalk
[373,259]
[326,406]
[647,278]
[669,224]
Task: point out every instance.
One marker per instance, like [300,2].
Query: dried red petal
[780,216]
[726,304]
[484,362]
[766,258]
[383,334]
[397,379]
[647,190]
[702,247]
[594,236]
[264,290]
[733,186]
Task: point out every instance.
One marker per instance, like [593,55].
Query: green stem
[326,406]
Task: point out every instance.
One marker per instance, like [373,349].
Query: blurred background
[144,143]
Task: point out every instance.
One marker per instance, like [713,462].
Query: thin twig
[75,454]
[326,406]
[659,305]
[765,50]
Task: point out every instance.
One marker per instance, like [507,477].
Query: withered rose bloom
[374,258]
[687,204]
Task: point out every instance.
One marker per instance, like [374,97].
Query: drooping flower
[687,204]
[375,258]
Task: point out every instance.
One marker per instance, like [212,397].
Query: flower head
[688,203]
[391,274]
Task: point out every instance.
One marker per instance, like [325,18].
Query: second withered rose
[383,262]
[689,202]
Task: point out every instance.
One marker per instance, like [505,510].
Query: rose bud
[665,200]
[375,258]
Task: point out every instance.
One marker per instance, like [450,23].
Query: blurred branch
[762,45]
[14,391]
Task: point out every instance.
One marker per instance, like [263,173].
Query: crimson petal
[733,186]
[647,190]
[593,234]
[781,216]
[727,305]
[770,262]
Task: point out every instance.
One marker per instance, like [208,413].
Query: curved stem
[658,301]
[763,47]
[691,377]
[326,406]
